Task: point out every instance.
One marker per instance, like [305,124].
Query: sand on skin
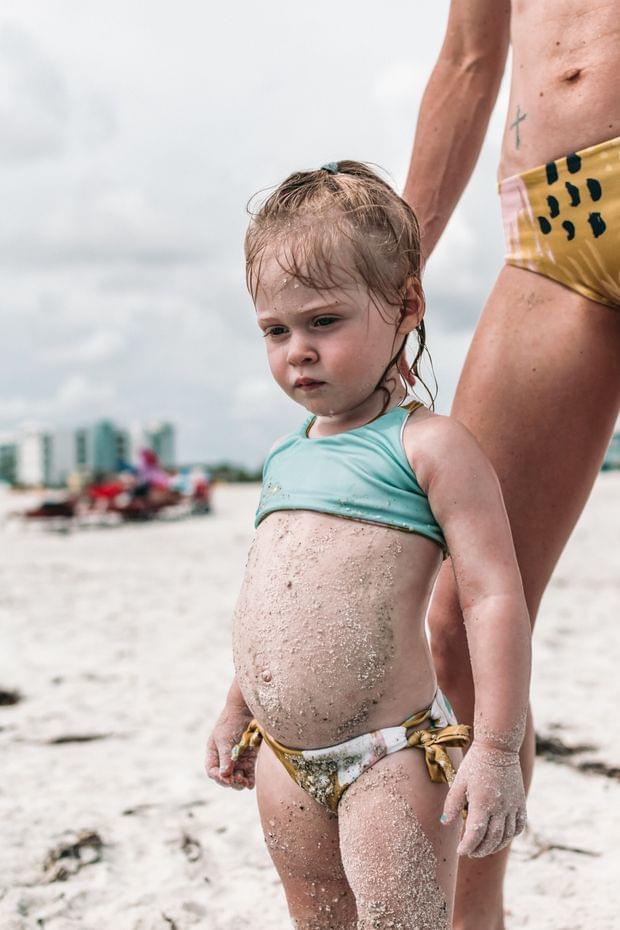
[124,635]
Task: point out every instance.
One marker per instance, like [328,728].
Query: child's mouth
[306,384]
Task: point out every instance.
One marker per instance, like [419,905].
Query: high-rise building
[63,456]
[35,457]
[160,438]
[38,456]
[123,446]
[8,459]
[104,446]
[83,449]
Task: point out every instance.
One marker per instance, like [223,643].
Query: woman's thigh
[302,838]
[399,860]
[540,390]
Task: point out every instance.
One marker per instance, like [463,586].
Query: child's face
[326,349]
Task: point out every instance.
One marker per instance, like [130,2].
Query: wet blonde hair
[311,215]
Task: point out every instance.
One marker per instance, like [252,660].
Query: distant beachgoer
[104,491]
[335,695]
[540,387]
[150,472]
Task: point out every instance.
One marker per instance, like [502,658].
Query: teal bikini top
[360,474]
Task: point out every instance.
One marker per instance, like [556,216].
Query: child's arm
[226,732]
[465,497]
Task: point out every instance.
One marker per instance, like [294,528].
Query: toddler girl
[335,701]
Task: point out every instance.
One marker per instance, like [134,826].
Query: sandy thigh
[399,860]
[302,838]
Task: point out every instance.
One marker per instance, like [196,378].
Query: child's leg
[302,838]
[399,860]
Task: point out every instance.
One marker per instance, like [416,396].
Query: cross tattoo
[520,117]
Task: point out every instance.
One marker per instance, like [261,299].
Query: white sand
[124,634]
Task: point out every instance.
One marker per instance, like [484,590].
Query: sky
[132,135]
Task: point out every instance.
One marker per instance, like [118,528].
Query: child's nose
[301,350]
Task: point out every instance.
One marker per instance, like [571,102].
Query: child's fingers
[520,821]
[475,831]
[509,829]
[236,780]
[454,803]
[493,837]
[230,779]
[218,761]
[214,773]
[227,766]
[239,778]
[226,781]
[212,758]
[215,769]
[247,764]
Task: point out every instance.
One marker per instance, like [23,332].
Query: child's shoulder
[435,442]
[278,442]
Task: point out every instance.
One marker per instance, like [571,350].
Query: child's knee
[301,852]
[328,906]
[310,868]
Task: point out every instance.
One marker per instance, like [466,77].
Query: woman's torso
[564,83]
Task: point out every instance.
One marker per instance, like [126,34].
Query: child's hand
[226,733]
[489,781]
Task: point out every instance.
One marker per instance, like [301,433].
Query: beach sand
[118,641]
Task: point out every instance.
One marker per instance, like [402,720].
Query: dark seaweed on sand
[8,698]
[554,750]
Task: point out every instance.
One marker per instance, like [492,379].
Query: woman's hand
[490,783]
[225,734]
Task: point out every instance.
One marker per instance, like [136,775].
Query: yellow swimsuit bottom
[325,774]
[562,220]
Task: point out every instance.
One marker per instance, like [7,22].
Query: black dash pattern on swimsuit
[561,204]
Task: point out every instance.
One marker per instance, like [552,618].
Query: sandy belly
[317,633]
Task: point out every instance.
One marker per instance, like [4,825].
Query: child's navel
[571,75]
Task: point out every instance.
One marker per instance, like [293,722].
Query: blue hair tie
[331,167]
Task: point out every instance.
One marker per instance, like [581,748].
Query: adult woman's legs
[540,390]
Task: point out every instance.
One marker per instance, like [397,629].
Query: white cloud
[452,270]
[99,346]
[400,83]
[448,347]
[33,99]
[76,395]
[253,396]
[42,114]
[109,224]
[80,393]
[16,407]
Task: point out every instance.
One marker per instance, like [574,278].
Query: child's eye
[274,331]
[325,320]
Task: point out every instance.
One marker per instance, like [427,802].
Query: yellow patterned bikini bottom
[562,220]
[325,774]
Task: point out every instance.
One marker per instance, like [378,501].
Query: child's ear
[414,305]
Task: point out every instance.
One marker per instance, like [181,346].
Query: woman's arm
[465,497]
[455,111]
